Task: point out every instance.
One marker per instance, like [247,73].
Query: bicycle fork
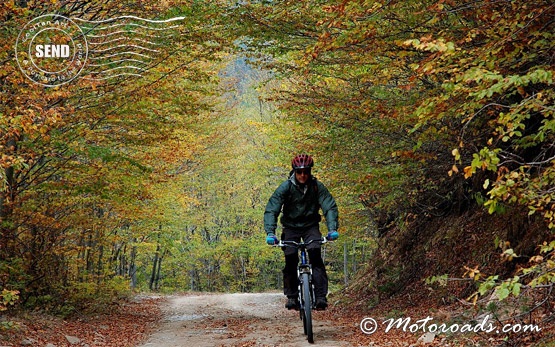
[305,269]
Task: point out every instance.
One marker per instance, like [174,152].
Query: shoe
[321,304]
[292,304]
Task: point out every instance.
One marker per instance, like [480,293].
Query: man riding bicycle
[301,197]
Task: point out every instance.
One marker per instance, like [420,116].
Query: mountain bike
[306,287]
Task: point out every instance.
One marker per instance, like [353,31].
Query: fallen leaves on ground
[128,324]
[418,307]
[124,324]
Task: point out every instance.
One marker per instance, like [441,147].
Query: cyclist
[299,199]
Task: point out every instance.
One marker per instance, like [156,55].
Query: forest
[432,122]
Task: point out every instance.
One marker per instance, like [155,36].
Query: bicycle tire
[307,308]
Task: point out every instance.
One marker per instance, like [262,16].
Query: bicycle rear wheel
[307,308]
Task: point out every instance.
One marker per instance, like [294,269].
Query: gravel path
[237,320]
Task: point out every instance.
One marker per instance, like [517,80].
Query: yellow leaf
[536,259]
[468,172]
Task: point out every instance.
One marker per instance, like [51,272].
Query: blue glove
[332,235]
[271,239]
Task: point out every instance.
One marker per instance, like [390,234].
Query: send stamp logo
[51,50]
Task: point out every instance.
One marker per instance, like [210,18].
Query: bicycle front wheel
[307,308]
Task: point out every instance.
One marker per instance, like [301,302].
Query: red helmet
[302,161]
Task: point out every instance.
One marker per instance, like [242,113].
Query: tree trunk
[354,257]
[8,234]
[157,280]
[154,266]
[132,267]
[100,265]
[345,264]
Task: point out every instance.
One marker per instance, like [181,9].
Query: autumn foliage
[82,165]
[417,112]
[427,110]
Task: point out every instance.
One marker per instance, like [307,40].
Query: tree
[401,88]
[80,163]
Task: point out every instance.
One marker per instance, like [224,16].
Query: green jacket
[300,209]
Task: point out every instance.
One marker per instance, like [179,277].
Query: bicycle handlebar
[302,243]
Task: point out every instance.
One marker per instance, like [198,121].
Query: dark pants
[290,276]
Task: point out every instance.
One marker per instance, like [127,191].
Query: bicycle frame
[306,287]
[305,268]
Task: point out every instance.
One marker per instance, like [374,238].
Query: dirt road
[238,320]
